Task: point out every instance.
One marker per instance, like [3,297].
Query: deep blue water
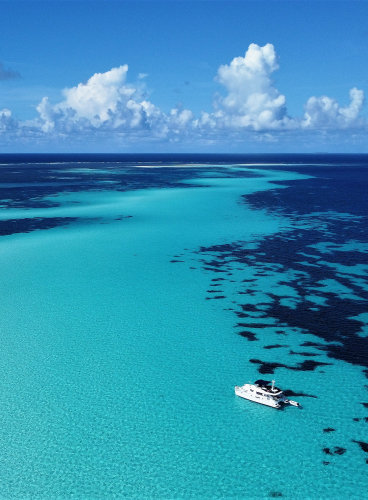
[219,269]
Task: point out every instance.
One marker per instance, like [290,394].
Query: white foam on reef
[87,170]
[205,165]
[175,165]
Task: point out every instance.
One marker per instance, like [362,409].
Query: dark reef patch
[325,212]
[214,270]
[363,445]
[307,354]
[249,307]
[337,450]
[248,335]
[253,325]
[26,180]
[121,217]
[270,367]
[31,180]
[13,226]
[274,346]
[312,258]
[313,344]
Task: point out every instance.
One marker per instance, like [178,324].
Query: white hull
[252,396]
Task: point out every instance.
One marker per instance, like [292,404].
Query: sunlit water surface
[133,300]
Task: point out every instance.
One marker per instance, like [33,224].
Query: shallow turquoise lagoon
[117,375]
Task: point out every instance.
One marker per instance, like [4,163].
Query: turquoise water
[117,375]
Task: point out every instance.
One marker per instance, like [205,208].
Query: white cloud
[97,99]
[252,100]
[324,112]
[106,101]
[251,110]
[7,123]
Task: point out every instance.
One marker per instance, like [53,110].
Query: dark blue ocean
[138,290]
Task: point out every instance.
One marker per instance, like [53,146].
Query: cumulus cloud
[99,98]
[250,109]
[7,73]
[252,103]
[7,122]
[324,112]
[105,101]
[252,100]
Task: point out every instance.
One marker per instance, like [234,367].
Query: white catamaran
[265,394]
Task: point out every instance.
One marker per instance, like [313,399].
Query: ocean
[138,290]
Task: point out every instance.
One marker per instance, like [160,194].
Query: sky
[226,76]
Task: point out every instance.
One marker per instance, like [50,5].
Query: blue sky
[178,75]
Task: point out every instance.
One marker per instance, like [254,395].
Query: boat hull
[239,391]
